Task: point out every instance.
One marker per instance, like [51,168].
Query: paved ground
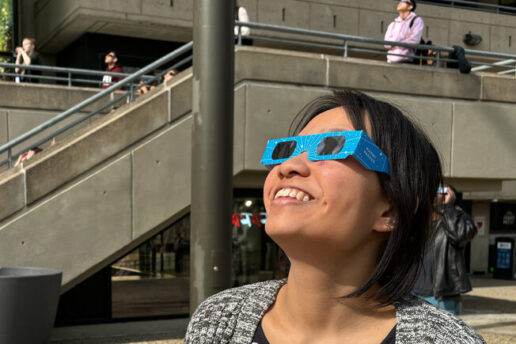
[168,331]
[490,308]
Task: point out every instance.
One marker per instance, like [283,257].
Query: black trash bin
[505,267]
[28,304]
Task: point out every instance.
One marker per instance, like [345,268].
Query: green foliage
[6,31]
[6,25]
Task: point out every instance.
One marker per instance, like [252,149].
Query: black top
[424,280]
[35,59]
[259,336]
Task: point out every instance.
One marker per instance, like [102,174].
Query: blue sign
[503,255]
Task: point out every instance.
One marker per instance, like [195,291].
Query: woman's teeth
[293,193]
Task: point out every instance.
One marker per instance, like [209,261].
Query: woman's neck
[311,305]
[404,14]
[323,294]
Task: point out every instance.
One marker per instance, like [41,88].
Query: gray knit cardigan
[233,315]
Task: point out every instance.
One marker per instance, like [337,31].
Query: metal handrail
[346,48]
[64,70]
[508,71]
[496,64]
[58,78]
[130,94]
[162,73]
[298,31]
[360,39]
[148,78]
[438,58]
[68,70]
[471,3]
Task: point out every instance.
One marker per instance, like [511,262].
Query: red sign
[249,219]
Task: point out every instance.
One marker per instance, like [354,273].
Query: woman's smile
[292,194]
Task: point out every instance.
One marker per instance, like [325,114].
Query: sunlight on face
[345,198]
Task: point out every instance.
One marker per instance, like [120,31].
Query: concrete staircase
[103,189]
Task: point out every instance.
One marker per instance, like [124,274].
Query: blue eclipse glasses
[442,190]
[328,146]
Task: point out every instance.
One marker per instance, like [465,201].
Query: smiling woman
[353,213]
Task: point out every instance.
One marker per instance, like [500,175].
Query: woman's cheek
[267,188]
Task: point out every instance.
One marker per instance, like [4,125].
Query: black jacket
[454,231]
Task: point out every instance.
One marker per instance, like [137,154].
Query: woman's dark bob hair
[412,186]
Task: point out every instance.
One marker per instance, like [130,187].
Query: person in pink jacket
[407,28]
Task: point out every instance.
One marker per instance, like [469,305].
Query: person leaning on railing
[407,28]
[112,66]
[27,55]
[144,87]
[30,153]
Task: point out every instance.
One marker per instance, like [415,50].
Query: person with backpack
[407,28]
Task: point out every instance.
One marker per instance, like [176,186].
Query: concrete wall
[24,106]
[58,23]
[111,185]
[445,102]
[480,243]
[29,96]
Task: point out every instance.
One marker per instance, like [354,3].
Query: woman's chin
[290,236]
[281,228]
[280,235]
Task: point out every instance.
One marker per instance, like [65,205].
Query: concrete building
[107,205]
[80,28]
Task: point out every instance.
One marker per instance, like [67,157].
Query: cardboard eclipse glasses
[328,146]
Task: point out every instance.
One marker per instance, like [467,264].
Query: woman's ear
[387,220]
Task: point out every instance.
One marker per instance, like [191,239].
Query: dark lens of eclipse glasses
[331,145]
[284,150]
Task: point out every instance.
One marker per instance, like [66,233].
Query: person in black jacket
[445,275]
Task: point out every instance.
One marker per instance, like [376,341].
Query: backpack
[422,53]
[462,64]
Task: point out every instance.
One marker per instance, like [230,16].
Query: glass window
[153,280]
[255,256]
[503,218]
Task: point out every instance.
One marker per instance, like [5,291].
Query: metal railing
[472,5]
[70,72]
[345,47]
[487,58]
[128,94]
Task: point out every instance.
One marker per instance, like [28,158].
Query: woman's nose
[298,165]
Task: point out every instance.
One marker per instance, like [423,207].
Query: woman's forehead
[336,119]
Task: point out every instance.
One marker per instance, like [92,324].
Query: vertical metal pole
[10,158]
[69,79]
[438,57]
[239,34]
[345,48]
[161,253]
[212,149]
